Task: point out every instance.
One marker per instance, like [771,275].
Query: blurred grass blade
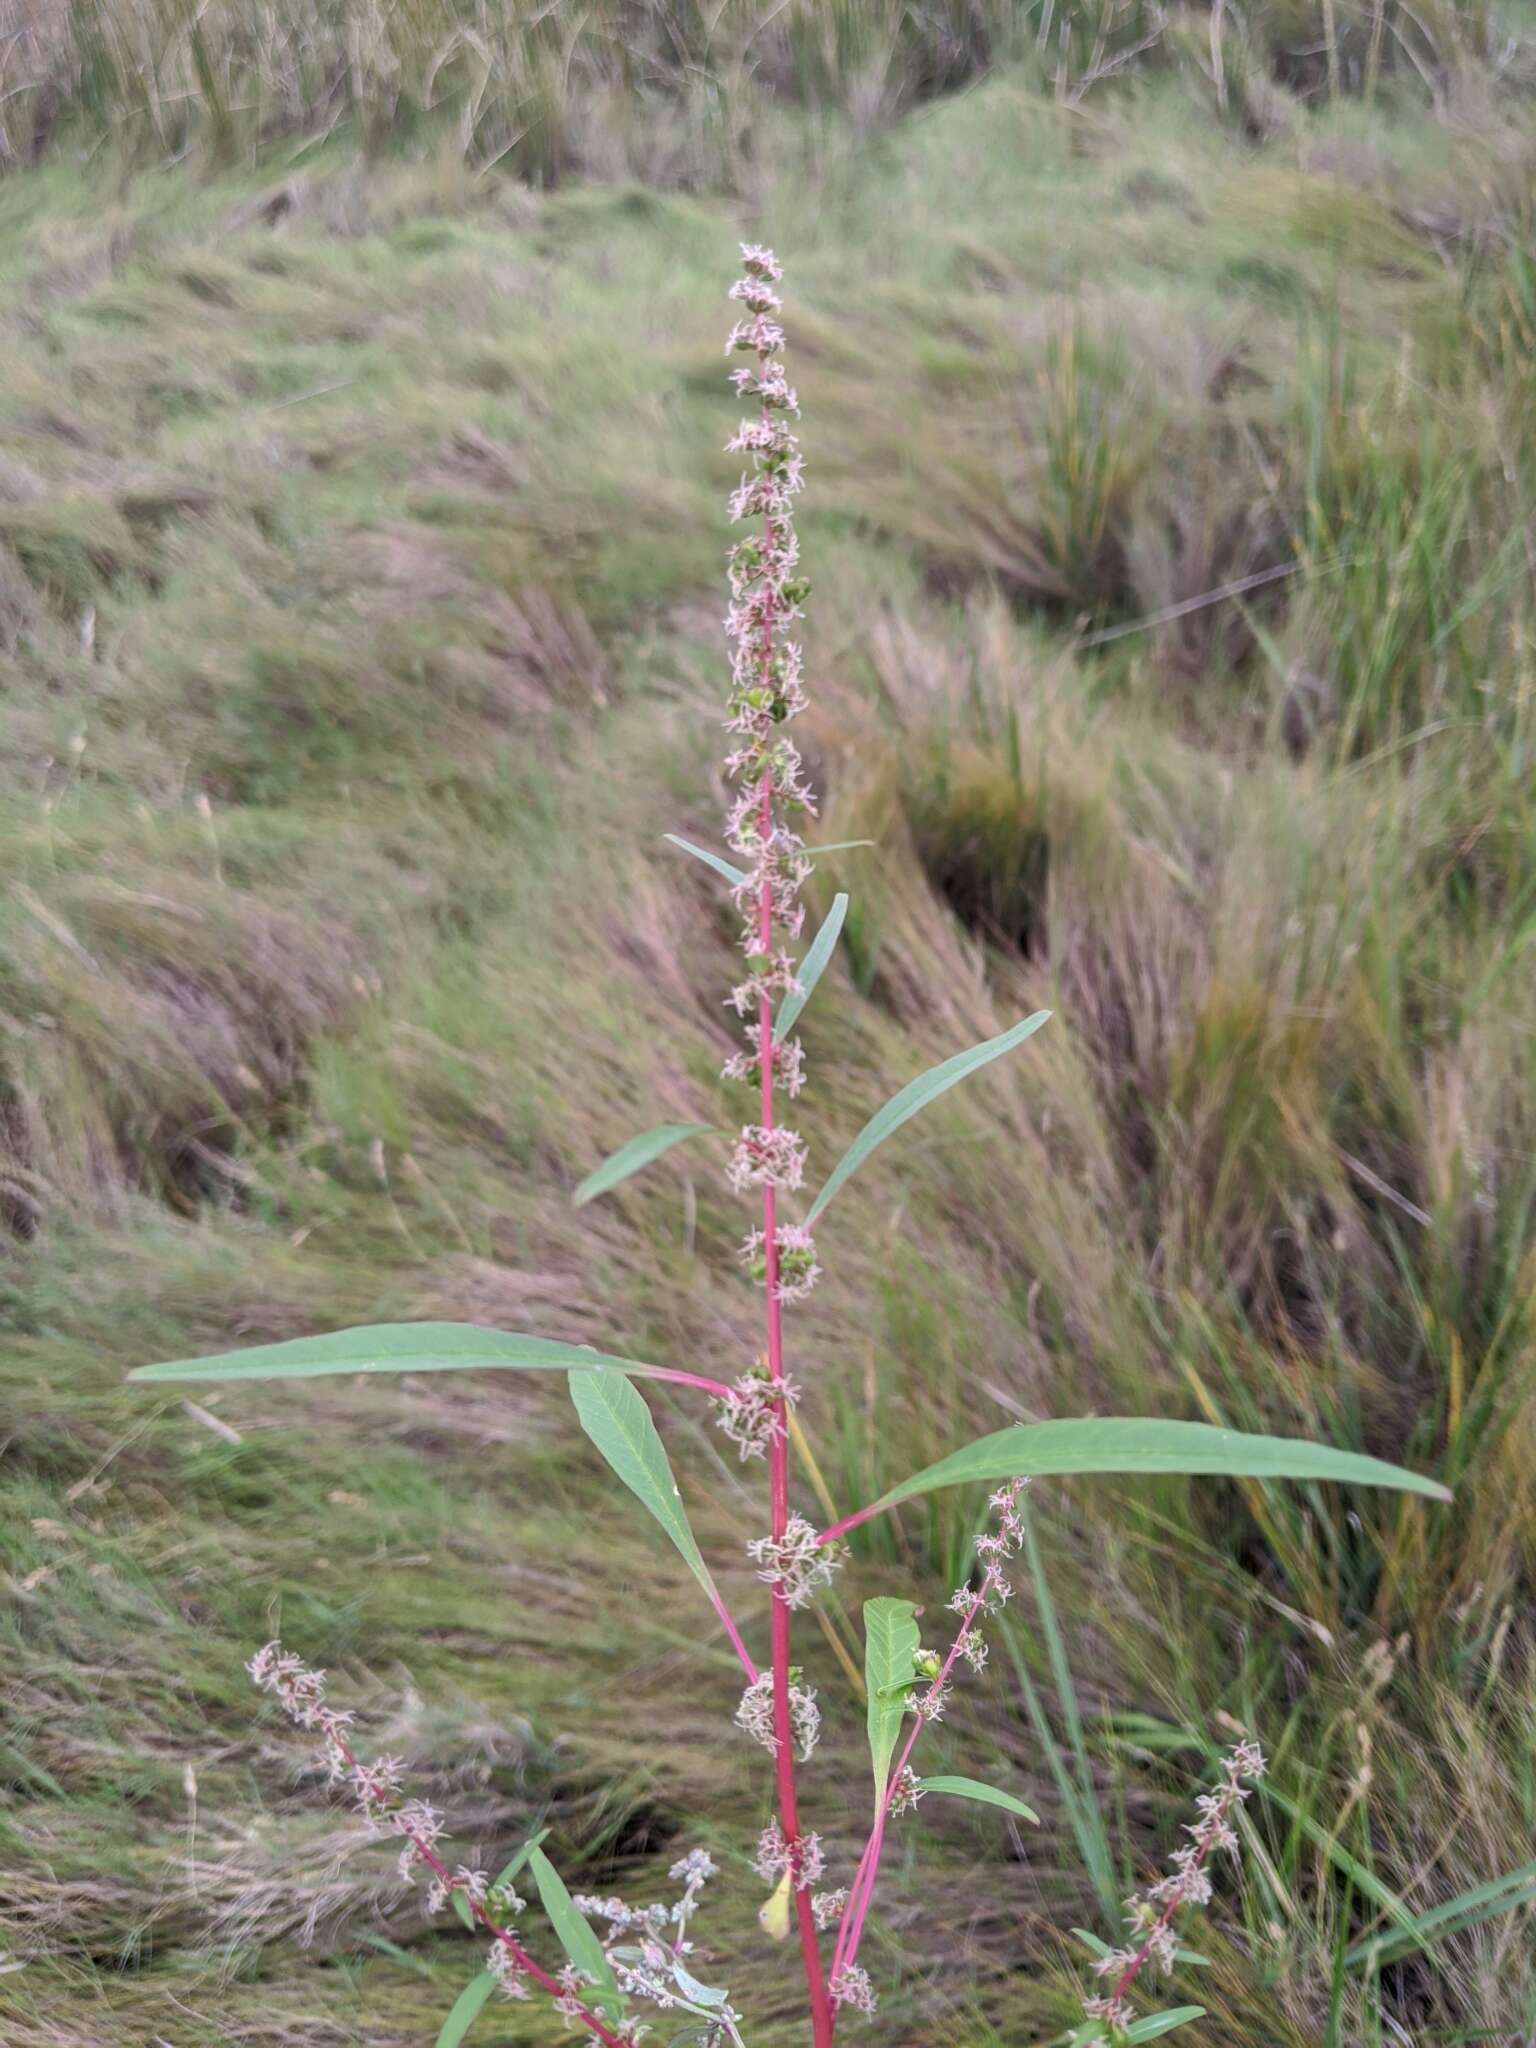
[1468,1909]
[1086,1819]
[734,875]
[917,1095]
[396,1953]
[466,2009]
[394,1347]
[983,1795]
[1083,1814]
[890,1642]
[617,1420]
[1118,1443]
[811,968]
[575,1935]
[1353,1869]
[509,1870]
[630,1158]
[837,846]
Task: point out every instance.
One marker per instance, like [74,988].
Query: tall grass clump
[663,88]
[543,91]
[603,1963]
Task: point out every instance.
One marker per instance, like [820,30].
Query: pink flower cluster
[645,1945]
[993,1550]
[784,1056]
[850,1985]
[798,1562]
[801,1861]
[752,1413]
[1149,1916]
[769,1158]
[375,1792]
[767,693]
[754,1713]
[798,1270]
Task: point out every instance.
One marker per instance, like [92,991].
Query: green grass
[360,550]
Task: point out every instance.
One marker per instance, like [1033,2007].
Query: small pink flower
[511,1978]
[755,294]
[764,337]
[766,1158]
[850,1986]
[760,262]
[785,1054]
[906,1790]
[797,1563]
[1149,1919]
[754,1716]
[751,1413]
[798,1270]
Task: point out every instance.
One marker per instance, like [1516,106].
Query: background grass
[360,550]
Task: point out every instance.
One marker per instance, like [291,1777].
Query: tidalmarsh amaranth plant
[621,1971]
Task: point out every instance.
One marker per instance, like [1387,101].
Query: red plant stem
[715,1388]
[515,1949]
[778,1481]
[837,1529]
[778,1452]
[734,1636]
[862,1891]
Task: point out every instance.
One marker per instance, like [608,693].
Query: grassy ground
[360,555]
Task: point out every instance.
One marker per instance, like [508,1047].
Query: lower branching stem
[514,1949]
[862,1894]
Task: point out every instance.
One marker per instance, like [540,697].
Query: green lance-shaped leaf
[734,875]
[697,1997]
[890,1643]
[917,1095]
[575,1935]
[811,969]
[616,1418]
[466,2009]
[395,1347]
[984,1795]
[618,1166]
[1133,1444]
[1157,2023]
